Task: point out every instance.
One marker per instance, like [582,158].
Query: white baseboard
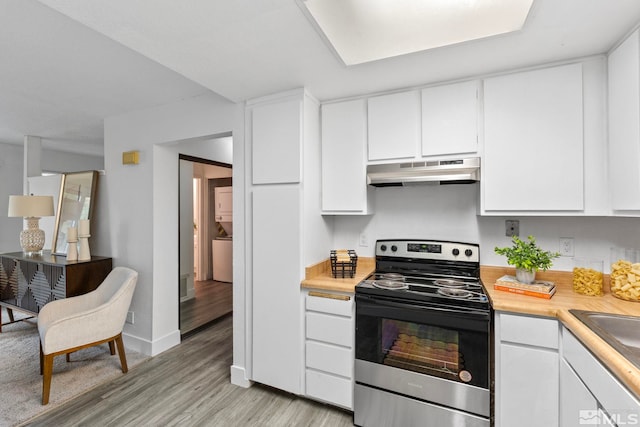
[191,293]
[239,378]
[151,348]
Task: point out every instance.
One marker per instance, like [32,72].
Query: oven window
[441,344]
[421,348]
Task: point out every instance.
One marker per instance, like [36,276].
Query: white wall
[593,237]
[449,213]
[141,211]
[11,166]
[61,162]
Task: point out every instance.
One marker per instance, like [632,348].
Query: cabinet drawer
[612,395]
[330,388]
[530,330]
[330,358]
[330,329]
[332,303]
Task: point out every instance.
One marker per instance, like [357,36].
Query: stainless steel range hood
[456,171]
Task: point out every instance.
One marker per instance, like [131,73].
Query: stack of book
[539,288]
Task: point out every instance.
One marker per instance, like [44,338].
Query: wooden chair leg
[41,359]
[10,315]
[112,347]
[123,357]
[68,356]
[46,378]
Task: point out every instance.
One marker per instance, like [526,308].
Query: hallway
[212,300]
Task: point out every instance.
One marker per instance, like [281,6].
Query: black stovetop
[440,275]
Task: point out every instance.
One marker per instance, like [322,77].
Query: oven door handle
[422,313]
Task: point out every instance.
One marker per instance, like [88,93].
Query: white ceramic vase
[525,276]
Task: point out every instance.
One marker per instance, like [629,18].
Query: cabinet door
[344,158]
[624,125]
[394,126]
[533,153]
[224,204]
[577,404]
[527,387]
[277,311]
[276,142]
[450,119]
[613,397]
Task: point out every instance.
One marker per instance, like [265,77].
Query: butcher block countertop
[558,306]
[318,276]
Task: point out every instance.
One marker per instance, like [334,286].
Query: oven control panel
[429,249]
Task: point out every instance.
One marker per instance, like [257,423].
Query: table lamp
[31,208]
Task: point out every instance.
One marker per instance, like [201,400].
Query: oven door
[428,351]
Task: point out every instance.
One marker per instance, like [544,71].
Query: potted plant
[527,258]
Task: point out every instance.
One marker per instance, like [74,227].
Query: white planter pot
[525,276]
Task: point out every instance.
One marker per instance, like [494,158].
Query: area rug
[21,382]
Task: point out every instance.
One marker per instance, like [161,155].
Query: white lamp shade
[30,206]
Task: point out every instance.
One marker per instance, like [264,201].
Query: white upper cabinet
[624,125]
[276,148]
[394,126]
[344,158]
[224,204]
[533,142]
[450,119]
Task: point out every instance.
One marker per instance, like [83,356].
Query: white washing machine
[222,253]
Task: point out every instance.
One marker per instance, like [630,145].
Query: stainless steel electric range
[423,337]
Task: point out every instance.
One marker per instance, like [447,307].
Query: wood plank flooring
[212,300]
[189,385]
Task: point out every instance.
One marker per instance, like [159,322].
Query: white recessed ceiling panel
[368,30]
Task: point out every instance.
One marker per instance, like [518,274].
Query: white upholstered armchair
[83,321]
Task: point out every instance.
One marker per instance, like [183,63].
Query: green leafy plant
[527,255]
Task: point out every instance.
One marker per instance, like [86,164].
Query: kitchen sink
[619,331]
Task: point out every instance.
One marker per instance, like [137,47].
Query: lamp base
[32,239]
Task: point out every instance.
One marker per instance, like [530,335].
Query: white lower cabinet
[526,371]
[576,401]
[590,394]
[329,347]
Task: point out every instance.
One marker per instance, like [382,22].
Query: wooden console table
[27,283]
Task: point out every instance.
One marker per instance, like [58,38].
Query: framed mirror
[76,202]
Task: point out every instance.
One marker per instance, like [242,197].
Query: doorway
[204,298]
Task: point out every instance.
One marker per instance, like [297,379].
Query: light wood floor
[189,385]
[212,300]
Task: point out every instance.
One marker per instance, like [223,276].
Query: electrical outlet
[129,317]
[512,227]
[364,240]
[566,246]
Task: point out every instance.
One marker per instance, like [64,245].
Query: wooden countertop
[319,276]
[558,306]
